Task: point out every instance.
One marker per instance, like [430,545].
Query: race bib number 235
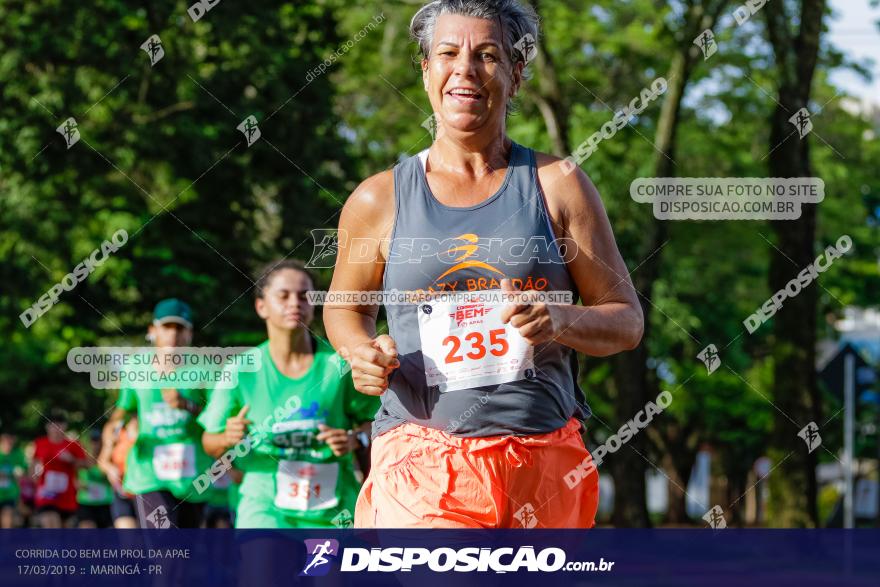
[466,345]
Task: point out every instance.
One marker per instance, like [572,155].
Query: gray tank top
[514,239]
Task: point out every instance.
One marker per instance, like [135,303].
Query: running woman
[307,417]
[12,467]
[56,461]
[167,455]
[481,411]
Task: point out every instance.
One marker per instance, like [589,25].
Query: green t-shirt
[94,489]
[286,468]
[12,464]
[168,453]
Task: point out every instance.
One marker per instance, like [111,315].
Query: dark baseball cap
[173,310]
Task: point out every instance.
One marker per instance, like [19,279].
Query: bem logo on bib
[466,313]
[308,471]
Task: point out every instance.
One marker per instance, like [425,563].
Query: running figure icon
[319,553]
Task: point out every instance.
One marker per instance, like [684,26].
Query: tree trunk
[736,487]
[678,463]
[793,488]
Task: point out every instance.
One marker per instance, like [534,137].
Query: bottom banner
[264,558]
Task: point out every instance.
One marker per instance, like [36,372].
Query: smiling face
[468,75]
[284,304]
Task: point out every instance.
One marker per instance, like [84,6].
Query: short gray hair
[517,21]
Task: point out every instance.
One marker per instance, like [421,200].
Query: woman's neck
[291,350]
[473,156]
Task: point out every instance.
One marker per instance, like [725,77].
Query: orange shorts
[426,478]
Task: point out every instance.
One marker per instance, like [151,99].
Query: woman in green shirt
[292,425]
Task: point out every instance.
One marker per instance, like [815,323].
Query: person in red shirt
[56,460]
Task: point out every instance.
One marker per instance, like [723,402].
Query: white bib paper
[96,491]
[55,483]
[304,486]
[466,345]
[173,462]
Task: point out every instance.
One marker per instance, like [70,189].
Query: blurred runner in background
[56,461]
[167,454]
[95,493]
[112,463]
[307,416]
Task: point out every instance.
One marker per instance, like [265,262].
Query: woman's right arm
[364,229]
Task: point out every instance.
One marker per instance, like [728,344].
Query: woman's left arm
[610,320]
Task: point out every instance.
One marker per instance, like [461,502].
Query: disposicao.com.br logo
[441,560]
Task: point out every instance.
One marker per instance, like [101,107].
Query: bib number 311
[466,345]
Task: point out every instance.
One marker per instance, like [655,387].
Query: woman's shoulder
[371,205]
[558,172]
[374,192]
[564,184]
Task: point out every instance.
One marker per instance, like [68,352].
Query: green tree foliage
[160,157]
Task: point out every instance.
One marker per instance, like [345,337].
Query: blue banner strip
[423,558]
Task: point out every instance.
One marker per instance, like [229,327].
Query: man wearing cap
[168,454]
